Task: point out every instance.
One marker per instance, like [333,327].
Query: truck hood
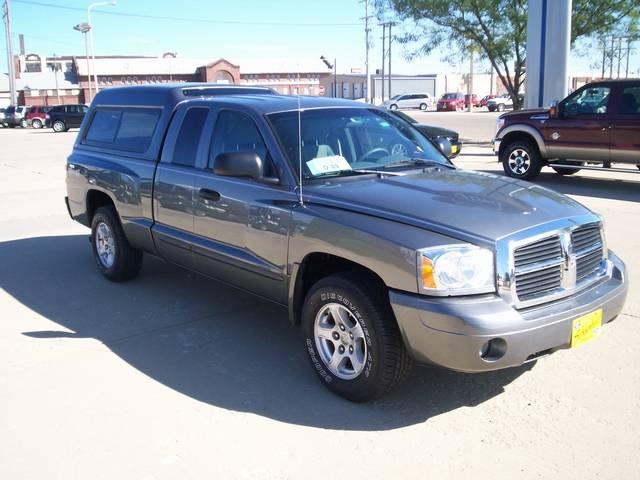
[525,114]
[471,206]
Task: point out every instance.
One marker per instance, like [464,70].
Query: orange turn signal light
[426,271]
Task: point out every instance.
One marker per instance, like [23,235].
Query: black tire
[12,125]
[423,106]
[127,260]
[59,126]
[530,164]
[387,361]
[566,171]
[36,123]
[393,106]
[491,108]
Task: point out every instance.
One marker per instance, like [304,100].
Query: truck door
[241,224]
[174,185]
[625,126]
[581,130]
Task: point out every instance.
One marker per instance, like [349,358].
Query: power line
[185,19]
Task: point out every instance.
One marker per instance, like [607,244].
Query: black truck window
[236,132]
[129,129]
[189,137]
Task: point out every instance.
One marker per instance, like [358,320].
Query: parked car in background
[64,117]
[37,115]
[451,102]
[595,126]
[2,110]
[15,116]
[436,135]
[409,100]
[500,103]
[485,100]
[473,99]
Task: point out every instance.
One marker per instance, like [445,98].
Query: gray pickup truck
[382,251]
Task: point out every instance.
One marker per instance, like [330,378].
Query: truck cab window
[189,137]
[236,132]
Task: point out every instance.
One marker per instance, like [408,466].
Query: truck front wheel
[116,259]
[520,159]
[352,339]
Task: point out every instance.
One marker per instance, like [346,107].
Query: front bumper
[451,332]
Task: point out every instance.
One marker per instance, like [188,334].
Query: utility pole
[604,54]
[368,97]
[390,38]
[612,51]
[55,73]
[470,82]
[6,12]
[626,73]
[619,54]
[384,30]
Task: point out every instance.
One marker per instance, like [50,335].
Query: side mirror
[239,164]
[444,145]
[553,109]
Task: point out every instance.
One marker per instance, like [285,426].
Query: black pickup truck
[383,251]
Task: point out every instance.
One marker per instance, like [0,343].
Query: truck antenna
[299,143]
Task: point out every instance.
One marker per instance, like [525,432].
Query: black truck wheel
[520,159]
[116,259]
[352,338]
[566,171]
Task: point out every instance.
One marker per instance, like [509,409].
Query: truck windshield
[341,141]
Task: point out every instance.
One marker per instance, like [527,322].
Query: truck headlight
[462,269]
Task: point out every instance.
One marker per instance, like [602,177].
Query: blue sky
[49,30]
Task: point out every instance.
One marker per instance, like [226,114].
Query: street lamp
[328,64]
[84,29]
[93,57]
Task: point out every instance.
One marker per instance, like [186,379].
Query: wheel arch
[317,265]
[95,199]
[522,132]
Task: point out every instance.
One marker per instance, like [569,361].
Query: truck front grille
[538,268]
[557,265]
[587,246]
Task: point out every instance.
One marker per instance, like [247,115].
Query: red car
[451,102]
[475,101]
[36,115]
[485,100]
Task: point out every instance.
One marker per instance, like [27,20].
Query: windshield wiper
[412,161]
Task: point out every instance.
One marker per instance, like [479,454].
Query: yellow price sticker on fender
[586,327]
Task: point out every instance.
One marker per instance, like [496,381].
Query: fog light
[493,350]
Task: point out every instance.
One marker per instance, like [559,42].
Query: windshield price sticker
[333,163]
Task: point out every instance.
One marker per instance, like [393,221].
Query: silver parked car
[409,100]
[16,116]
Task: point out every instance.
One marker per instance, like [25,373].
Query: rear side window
[104,126]
[189,137]
[128,129]
[630,101]
[236,132]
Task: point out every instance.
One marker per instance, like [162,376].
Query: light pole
[335,81]
[93,57]
[84,29]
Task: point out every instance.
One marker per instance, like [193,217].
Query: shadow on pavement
[211,342]
[627,189]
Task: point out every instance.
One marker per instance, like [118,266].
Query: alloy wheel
[105,245]
[340,341]
[519,161]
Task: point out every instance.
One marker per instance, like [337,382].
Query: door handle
[209,194]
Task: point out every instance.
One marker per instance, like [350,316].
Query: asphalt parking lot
[176,376]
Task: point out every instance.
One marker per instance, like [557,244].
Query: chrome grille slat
[587,244]
[537,267]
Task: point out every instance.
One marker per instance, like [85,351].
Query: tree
[497,28]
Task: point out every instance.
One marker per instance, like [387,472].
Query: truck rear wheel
[352,338]
[116,259]
[520,159]
[566,171]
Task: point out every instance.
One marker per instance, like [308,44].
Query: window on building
[33,67]
[189,137]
